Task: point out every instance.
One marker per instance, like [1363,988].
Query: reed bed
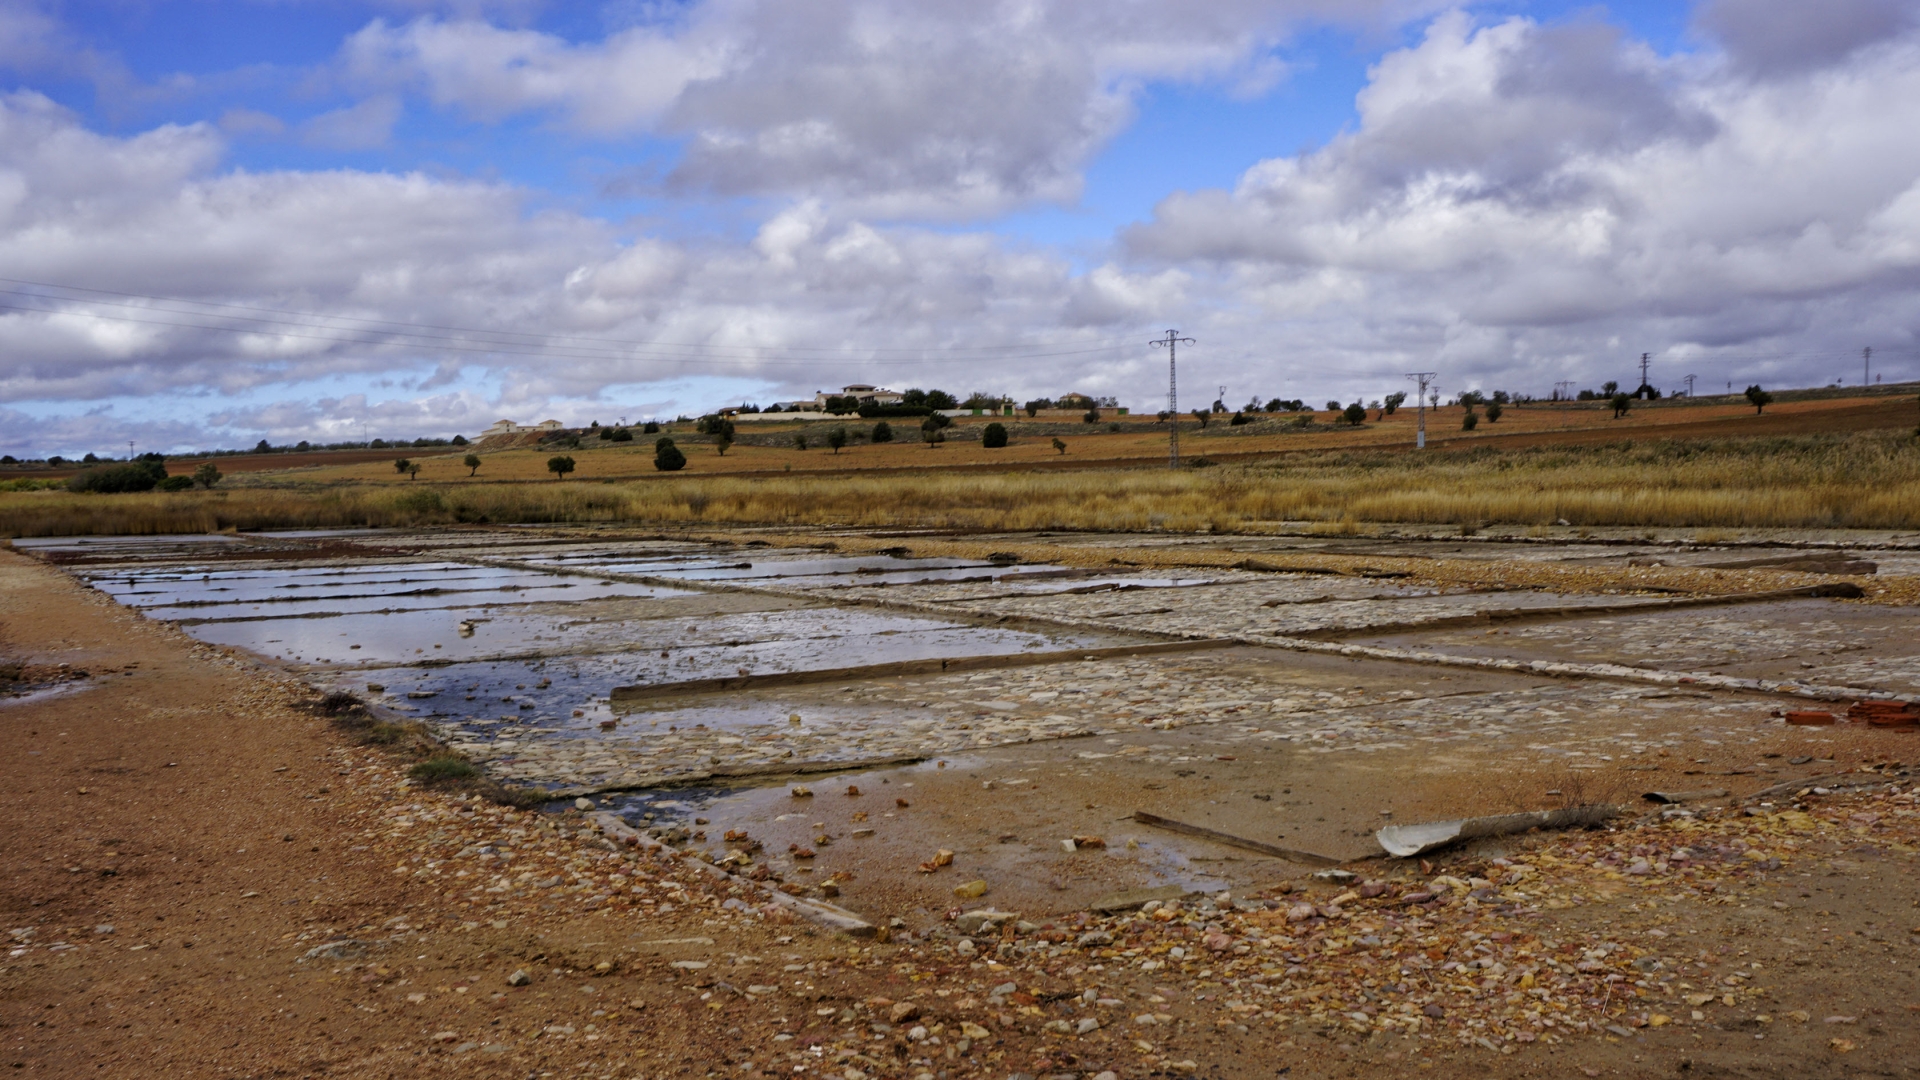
[1869,480]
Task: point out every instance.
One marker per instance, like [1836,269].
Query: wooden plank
[1218,837]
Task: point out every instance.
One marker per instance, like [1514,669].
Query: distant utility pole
[1866,365]
[1424,378]
[129,449]
[1689,386]
[1644,359]
[1563,390]
[1172,341]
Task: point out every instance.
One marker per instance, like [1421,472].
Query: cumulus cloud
[363,125]
[228,283]
[894,108]
[1517,196]
[1769,37]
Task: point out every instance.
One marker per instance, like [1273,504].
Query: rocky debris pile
[1470,953]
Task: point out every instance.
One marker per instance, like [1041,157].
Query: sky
[230,220]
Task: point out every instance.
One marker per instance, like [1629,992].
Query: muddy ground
[207,877]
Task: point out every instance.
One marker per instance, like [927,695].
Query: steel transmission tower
[1425,379]
[1171,341]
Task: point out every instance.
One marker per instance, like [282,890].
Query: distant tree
[1092,416]
[1470,421]
[933,430]
[401,465]
[940,399]
[90,458]
[1758,398]
[915,397]
[993,436]
[882,432]
[377,444]
[263,447]
[667,457]
[472,462]
[1276,405]
[1355,414]
[560,466]
[652,428]
[1058,445]
[303,445]
[1033,407]
[207,475]
[1494,409]
[799,440]
[1501,397]
[459,440]
[1239,418]
[1198,414]
[413,470]
[1621,403]
[1334,407]
[621,434]
[1609,388]
[837,437]
[112,479]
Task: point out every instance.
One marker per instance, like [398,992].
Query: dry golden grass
[1868,480]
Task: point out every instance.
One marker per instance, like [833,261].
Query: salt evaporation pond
[512,651]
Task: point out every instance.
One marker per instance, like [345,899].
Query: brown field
[1836,463]
[1140,441]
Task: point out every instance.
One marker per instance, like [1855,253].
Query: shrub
[207,475]
[1092,416]
[620,434]
[667,457]
[176,483]
[882,432]
[442,768]
[560,466]
[1240,419]
[994,436]
[652,428]
[1058,445]
[112,479]
[1201,415]
[1470,421]
[1033,407]
[799,440]
[1621,403]
[1493,412]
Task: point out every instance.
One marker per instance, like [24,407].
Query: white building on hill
[508,427]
